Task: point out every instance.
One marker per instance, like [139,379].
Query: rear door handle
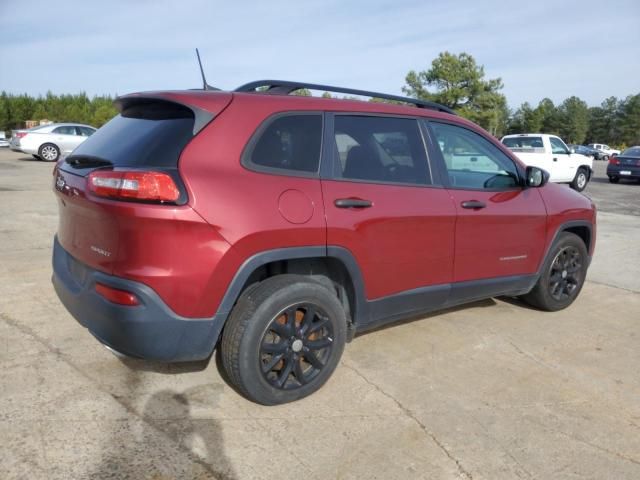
[352,203]
[475,204]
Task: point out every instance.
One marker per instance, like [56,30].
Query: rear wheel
[563,274]
[614,179]
[605,158]
[284,339]
[49,152]
[580,180]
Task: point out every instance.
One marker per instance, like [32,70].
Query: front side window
[472,161]
[558,146]
[380,149]
[289,142]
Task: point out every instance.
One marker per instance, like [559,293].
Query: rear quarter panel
[246,207]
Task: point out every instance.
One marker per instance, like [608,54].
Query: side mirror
[536,177]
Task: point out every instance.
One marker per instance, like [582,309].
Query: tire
[283,339]
[49,152]
[581,179]
[614,179]
[563,274]
[605,158]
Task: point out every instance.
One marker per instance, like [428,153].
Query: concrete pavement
[488,391]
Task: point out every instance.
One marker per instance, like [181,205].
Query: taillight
[614,161]
[115,295]
[20,134]
[133,185]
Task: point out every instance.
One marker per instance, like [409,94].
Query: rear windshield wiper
[87,161]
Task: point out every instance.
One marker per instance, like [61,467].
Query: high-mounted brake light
[115,295]
[133,185]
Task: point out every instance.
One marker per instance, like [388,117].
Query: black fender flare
[562,228]
[259,259]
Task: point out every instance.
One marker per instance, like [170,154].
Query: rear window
[631,152]
[145,134]
[531,144]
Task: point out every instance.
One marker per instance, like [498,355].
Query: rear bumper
[616,171]
[150,330]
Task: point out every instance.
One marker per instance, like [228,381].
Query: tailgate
[149,134]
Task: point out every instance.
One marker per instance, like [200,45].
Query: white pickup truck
[551,154]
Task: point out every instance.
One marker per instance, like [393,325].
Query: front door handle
[352,203]
[474,204]
[555,159]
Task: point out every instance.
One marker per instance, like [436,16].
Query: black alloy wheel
[284,338]
[296,346]
[562,274]
[565,276]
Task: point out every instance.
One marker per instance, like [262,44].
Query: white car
[606,150]
[552,154]
[49,142]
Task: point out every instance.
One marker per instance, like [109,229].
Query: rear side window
[286,143]
[524,144]
[65,130]
[145,134]
[380,149]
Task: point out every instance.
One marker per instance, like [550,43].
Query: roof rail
[285,87]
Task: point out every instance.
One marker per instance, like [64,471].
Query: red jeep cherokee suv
[276,226]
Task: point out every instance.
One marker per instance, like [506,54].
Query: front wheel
[283,340]
[581,179]
[563,274]
[49,152]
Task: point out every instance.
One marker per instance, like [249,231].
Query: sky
[541,48]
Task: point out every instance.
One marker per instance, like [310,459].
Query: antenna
[205,85]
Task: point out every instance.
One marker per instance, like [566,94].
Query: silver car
[49,142]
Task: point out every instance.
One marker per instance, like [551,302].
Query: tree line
[15,110]
[456,81]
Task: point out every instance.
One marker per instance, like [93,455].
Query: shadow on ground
[165,440]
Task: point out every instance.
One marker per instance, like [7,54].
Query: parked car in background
[552,154]
[606,150]
[300,221]
[49,142]
[624,165]
[587,151]
[4,143]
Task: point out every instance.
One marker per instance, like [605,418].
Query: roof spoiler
[158,106]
